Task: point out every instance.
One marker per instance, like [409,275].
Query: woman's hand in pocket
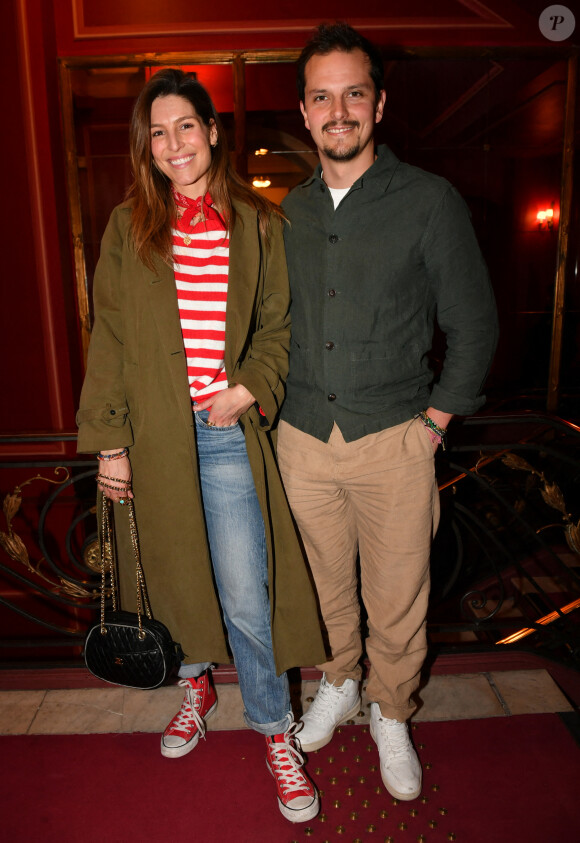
[226,408]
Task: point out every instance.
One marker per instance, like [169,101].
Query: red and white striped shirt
[201,256]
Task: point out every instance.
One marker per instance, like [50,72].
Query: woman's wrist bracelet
[124,452]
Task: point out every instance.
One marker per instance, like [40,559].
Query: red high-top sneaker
[200,701]
[297,796]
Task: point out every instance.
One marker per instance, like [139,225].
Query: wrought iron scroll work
[514,554]
[53,585]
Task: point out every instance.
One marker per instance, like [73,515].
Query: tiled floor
[110,709]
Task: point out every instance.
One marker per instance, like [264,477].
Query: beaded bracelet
[116,456]
[432,425]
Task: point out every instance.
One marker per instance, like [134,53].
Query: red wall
[38,336]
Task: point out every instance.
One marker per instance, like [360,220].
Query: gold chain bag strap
[128,648]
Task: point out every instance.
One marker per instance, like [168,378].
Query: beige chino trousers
[377,498]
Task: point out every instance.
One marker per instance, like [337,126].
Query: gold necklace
[193,222]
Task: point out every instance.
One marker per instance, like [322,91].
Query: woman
[184,382]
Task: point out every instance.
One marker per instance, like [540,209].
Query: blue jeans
[237,542]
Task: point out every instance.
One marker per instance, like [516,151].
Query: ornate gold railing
[505,561]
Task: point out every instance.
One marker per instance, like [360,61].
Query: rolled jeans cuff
[276,728]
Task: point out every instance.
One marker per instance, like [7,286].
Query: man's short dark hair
[340,36]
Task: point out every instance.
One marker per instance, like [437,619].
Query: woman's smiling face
[181,144]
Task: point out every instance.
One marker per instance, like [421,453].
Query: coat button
[332,293]
[332,397]
[333,238]
[329,346]
[113,412]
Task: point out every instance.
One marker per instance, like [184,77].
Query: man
[377,251]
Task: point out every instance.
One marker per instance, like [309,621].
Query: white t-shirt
[338,194]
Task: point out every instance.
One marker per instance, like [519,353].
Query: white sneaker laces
[327,699]
[396,737]
[287,761]
[189,710]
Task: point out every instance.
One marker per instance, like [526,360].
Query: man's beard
[341,153]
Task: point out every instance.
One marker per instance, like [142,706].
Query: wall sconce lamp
[546,218]
[261,151]
[261,181]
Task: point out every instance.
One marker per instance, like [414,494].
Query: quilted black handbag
[127,648]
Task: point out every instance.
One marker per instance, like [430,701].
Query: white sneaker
[332,706]
[400,766]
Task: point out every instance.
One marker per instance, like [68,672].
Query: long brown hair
[153,204]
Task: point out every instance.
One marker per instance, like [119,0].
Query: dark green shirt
[368,280]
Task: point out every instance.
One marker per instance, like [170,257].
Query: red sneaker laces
[287,761]
[189,711]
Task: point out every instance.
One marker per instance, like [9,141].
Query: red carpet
[503,780]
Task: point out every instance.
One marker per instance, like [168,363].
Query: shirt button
[329,346]
[332,397]
[332,293]
[333,238]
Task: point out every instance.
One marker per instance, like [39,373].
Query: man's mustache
[333,124]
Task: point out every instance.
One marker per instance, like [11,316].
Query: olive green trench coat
[136,394]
